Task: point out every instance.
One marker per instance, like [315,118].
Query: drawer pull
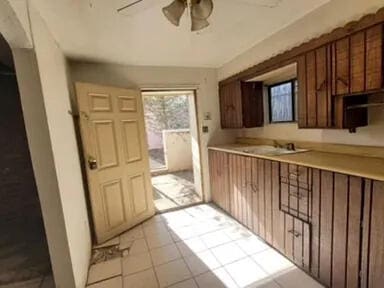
[297,195]
[294,233]
[253,186]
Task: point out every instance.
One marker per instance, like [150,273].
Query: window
[282,101]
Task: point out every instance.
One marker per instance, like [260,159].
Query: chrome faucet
[290,146]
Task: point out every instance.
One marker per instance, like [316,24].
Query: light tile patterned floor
[197,247]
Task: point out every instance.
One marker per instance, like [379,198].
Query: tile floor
[197,247]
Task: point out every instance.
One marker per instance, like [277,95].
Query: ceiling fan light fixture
[198,24]
[201,9]
[174,11]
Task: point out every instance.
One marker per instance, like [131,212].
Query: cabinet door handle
[253,186]
[294,233]
[321,86]
[230,107]
[340,79]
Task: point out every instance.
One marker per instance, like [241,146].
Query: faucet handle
[291,146]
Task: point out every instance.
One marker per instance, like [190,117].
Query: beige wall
[323,20]
[333,14]
[52,70]
[204,80]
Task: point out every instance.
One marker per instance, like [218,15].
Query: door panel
[131,137]
[114,141]
[113,203]
[105,137]
[140,202]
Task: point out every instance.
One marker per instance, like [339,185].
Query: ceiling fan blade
[198,24]
[129,5]
[174,11]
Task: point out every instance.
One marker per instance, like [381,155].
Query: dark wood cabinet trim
[290,56]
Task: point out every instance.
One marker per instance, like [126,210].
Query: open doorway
[172,135]
[24,256]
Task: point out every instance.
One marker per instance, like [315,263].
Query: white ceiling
[93,30]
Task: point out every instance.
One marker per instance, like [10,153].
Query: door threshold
[178,208]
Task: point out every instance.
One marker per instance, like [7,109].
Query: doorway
[24,256]
[173,148]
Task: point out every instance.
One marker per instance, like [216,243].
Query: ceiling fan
[200,10]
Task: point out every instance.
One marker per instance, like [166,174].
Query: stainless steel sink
[268,150]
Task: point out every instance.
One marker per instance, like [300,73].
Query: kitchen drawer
[296,175]
[297,235]
[296,201]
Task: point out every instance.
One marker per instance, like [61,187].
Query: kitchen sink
[268,150]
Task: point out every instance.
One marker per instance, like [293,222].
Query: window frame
[293,95]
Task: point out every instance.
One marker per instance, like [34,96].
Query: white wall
[43,165]
[177,149]
[54,83]
[205,80]
[323,20]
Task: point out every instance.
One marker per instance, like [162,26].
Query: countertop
[360,166]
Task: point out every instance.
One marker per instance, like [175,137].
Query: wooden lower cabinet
[218,169]
[339,240]
[372,272]
[336,222]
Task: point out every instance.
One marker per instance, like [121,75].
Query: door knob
[92,163]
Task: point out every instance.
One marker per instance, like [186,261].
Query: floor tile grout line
[153,266]
[106,279]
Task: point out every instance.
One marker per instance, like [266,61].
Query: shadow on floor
[156,159]
[174,190]
[24,258]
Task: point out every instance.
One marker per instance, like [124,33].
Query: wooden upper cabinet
[314,75]
[357,62]
[374,58]
[330,75]
[241,104]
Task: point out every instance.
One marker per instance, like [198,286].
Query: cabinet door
[231,105]
[297,241]
[373,235]
[314,90]
[218,163]
[253,104]
[358,62]
[336,220]
[374,58]
[239,192]
[266,217]
[341,67]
